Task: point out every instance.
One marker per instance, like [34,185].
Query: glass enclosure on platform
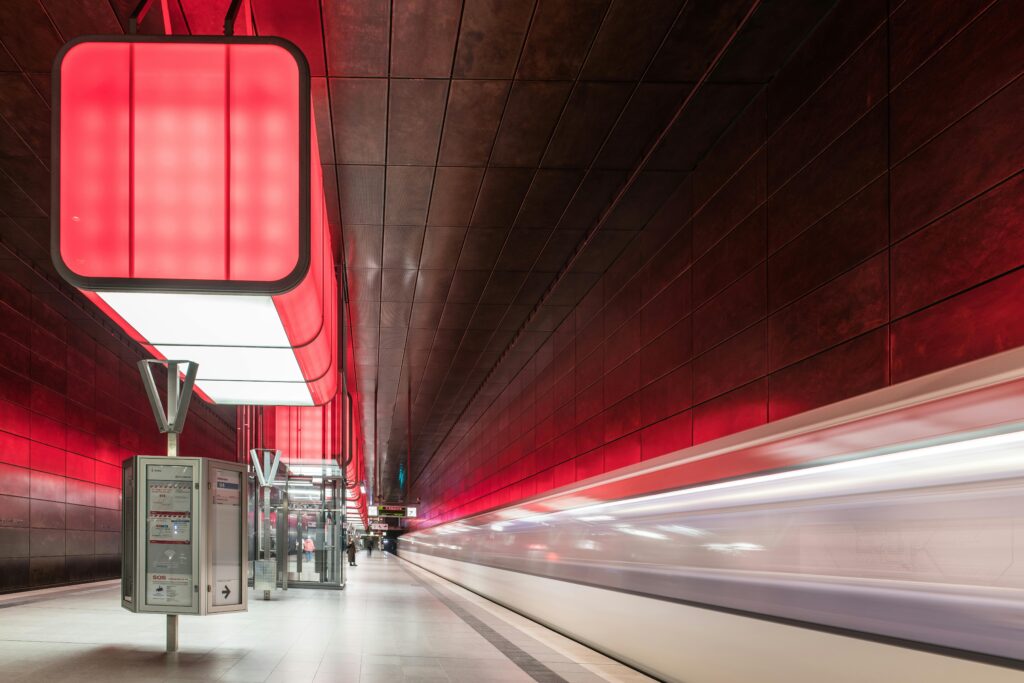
[306,522]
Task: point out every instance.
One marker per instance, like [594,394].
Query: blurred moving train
[877,539]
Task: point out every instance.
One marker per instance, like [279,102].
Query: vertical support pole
[266,471]
[172,632]
[408,451]
[171,421]
[342,535]
[284,546]
[266,527]
[172,619]
[172,452]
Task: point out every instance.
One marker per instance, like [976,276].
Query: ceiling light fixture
[189,207]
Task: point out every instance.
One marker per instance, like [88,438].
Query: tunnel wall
[860,224]
[72,408]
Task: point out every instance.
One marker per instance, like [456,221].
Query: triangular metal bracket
[179,392]
[266,471]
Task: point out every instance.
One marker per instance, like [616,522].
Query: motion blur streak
[920,547]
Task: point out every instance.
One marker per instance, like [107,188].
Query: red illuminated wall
[304,433]
[862,223]
[71,408]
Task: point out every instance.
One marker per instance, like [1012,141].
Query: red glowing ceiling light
[188,205]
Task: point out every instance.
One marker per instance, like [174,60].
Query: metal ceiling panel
[594,196]
[415,114]
[698,34]
[514,317]
[420,340]
[402,245]
[432,285]
[602,250]
[361,190]
[503,287]
[398,285]
[487,317]
[322,119]
[491,37]
[359,110]
[467,286]
[456,316]
[547,197]
[640,202]
[426,314]
[365,321]
[364,284]
[533,286]
[28,35]
[559,38]
[710,113]
[522,249]
[501,195]
[770,36]
[393,338]
[16,204]
[481,248]
[423,38]
[395,313]
[448,340]
[591,111]
[26,112]
[408,194]
[441,247]
[453,196]
[357,34]
[530,117]
[82,17]
[629,38]
[333,202]
[363,246]
[471,121]
[646,115]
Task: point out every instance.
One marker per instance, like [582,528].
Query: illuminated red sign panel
[189,206]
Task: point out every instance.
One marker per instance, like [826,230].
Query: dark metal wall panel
[794,261]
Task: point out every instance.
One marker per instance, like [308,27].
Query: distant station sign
[391,511]
[379,526]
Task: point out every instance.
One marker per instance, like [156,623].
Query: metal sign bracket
[179,392]
[266,471]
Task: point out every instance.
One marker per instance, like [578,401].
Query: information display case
[183,537]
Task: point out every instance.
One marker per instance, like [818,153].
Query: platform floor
[393,623]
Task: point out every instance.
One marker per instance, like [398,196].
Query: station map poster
[169,545]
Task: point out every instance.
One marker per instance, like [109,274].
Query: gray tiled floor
[391,624]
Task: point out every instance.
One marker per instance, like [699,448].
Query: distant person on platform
[351,550]
[369,547]
[308,546]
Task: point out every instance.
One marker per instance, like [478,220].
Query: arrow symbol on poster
[226,592]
